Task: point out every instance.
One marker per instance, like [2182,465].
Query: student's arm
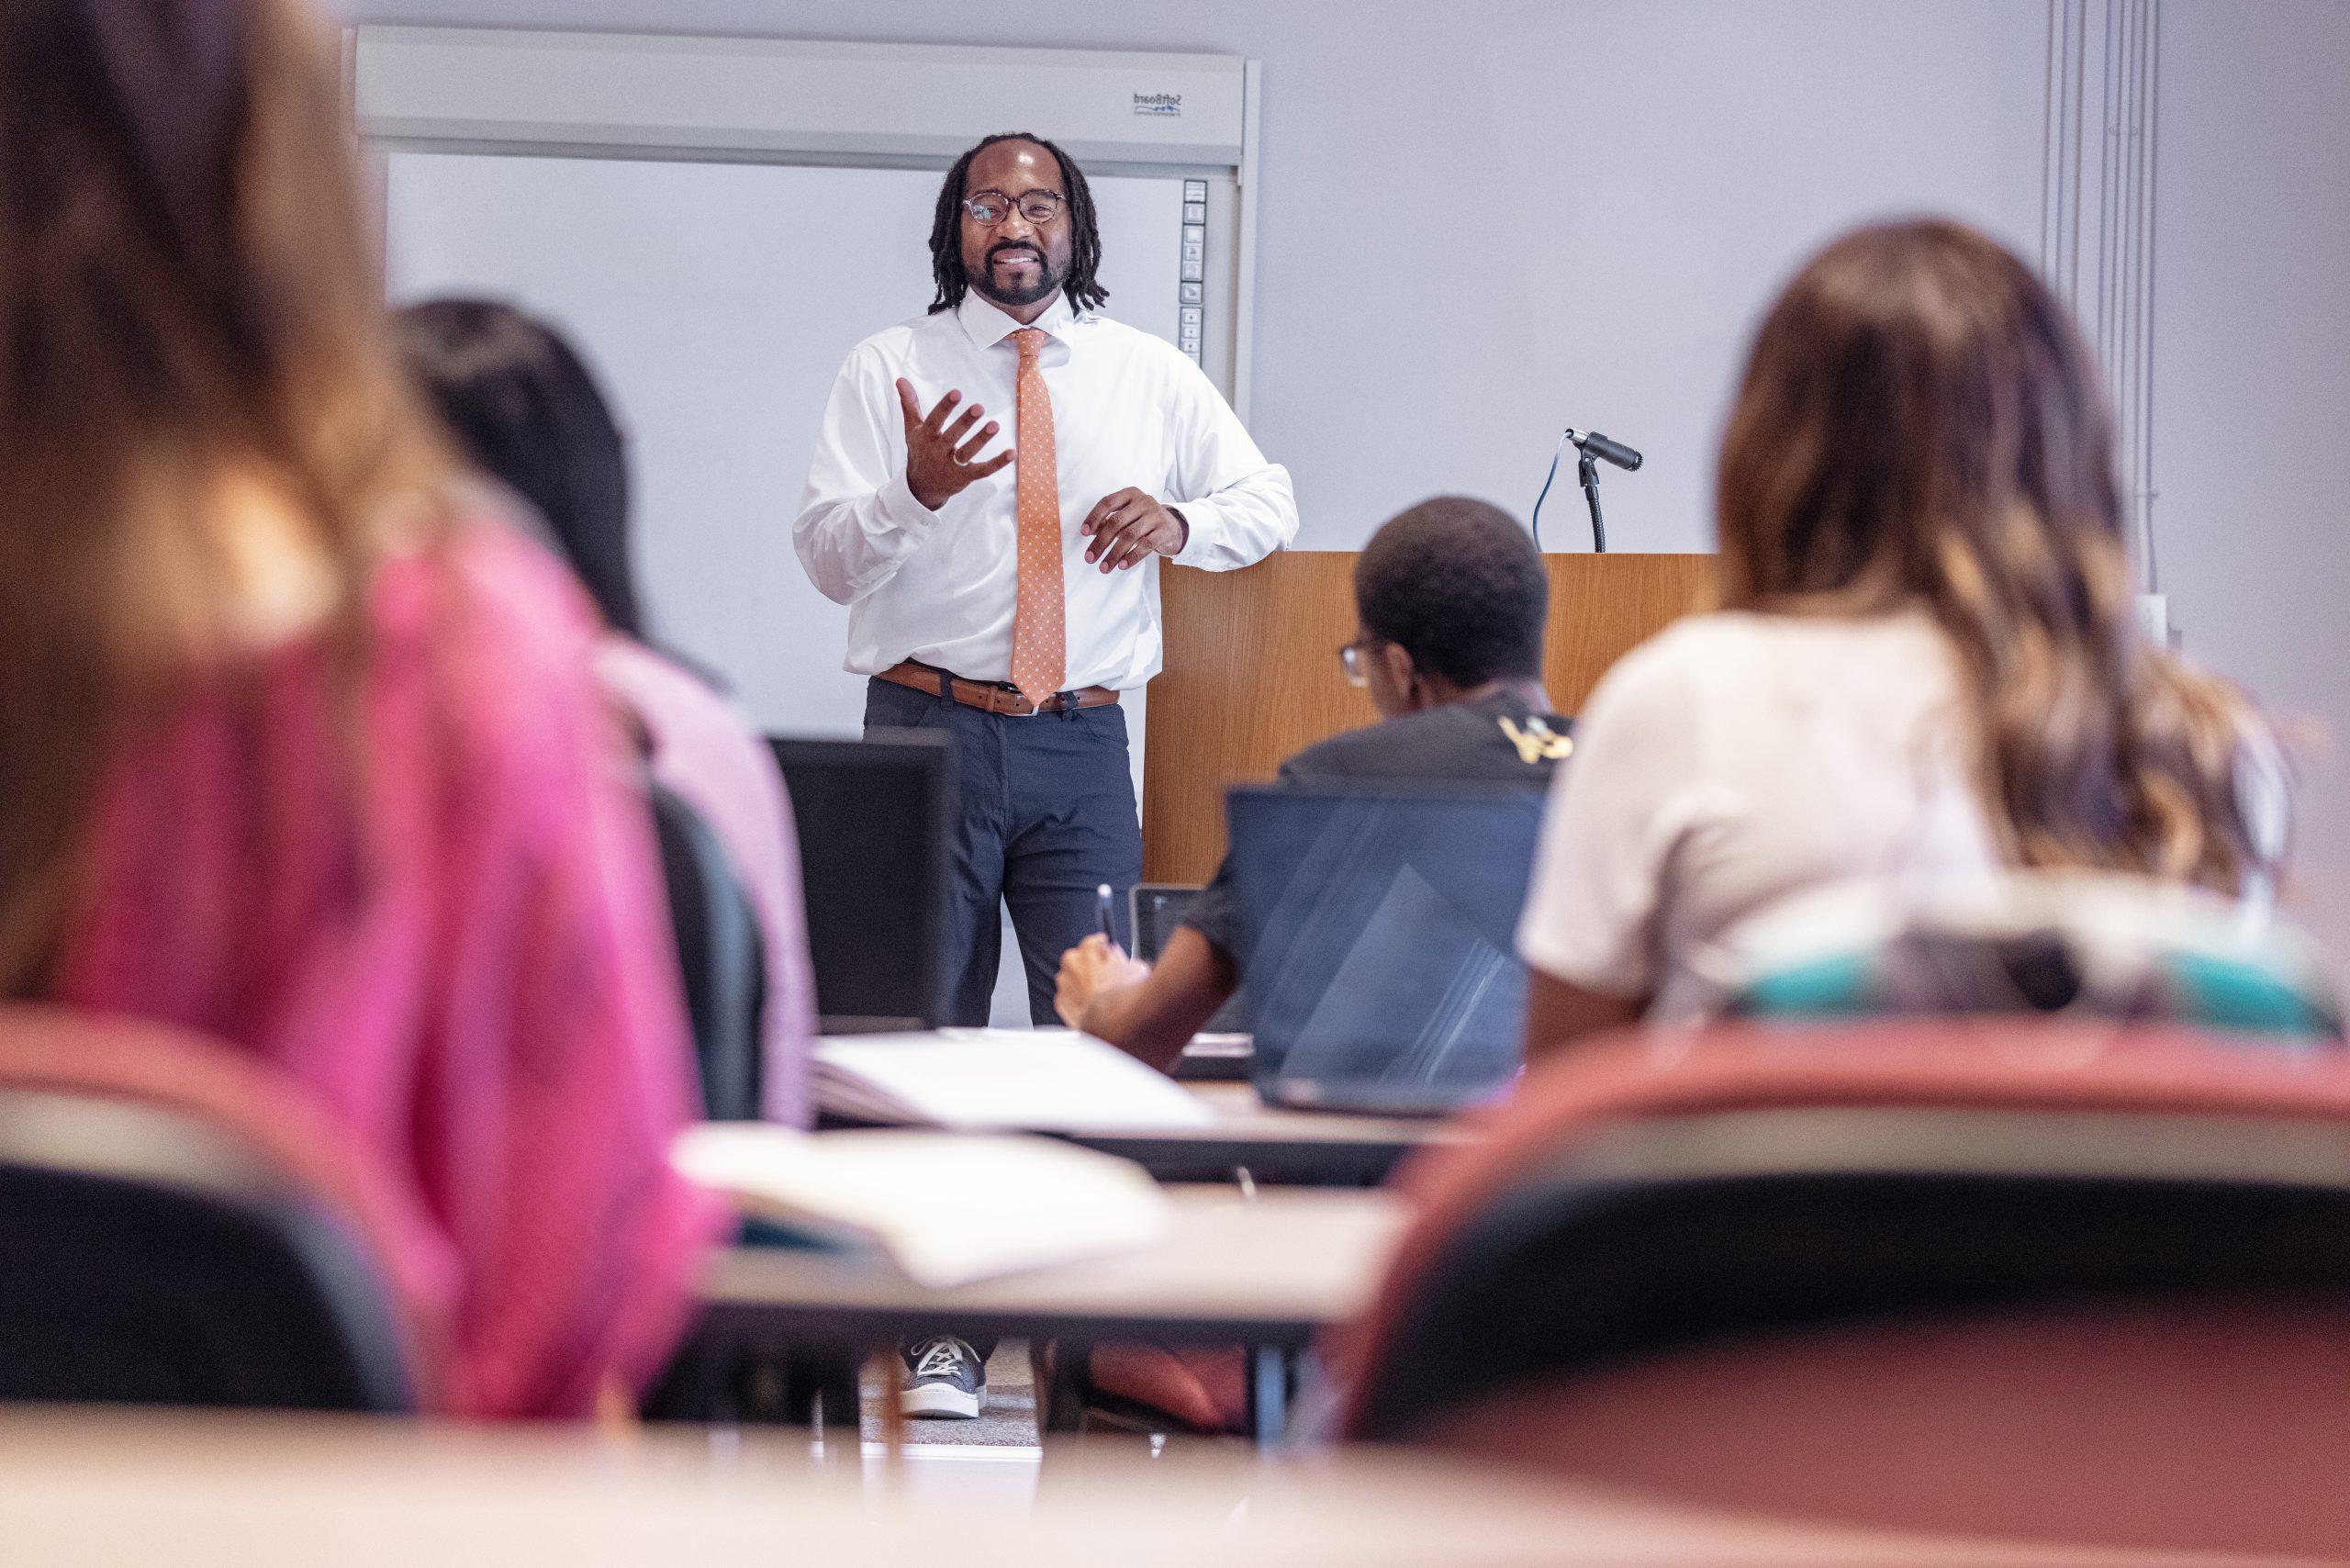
[1150,1013]
[1559,1012]
[1606,874]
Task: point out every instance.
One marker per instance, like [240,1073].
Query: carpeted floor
[1008,1419]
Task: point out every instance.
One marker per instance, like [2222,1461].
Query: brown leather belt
[993,697]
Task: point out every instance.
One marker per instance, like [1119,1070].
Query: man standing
[1009,593]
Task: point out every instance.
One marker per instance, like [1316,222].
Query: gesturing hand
[1127,526]
[939,455]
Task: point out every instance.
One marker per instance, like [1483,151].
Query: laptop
[1221,1051]
[1380,927]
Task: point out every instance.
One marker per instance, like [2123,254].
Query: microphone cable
[1555,455]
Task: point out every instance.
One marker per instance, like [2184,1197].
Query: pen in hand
[1102,916]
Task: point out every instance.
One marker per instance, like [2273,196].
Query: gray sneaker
[945,1380]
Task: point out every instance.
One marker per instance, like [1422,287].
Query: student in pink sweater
[299,746]
[526,410]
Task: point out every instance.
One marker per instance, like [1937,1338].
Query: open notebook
[945,1207]
[989,1080]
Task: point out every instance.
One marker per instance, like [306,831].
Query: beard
[1040,286]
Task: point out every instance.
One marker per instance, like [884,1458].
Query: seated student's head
[1449,599]
[206,444]
[1920,426]
[527,412]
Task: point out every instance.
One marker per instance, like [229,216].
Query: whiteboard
[715,301]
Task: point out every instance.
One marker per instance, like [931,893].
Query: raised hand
[1127,526]
[942,447]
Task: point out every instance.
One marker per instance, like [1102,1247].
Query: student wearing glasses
[1450,602]
[1451,598]
[992,491]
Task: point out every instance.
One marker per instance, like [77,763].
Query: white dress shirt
[1128,410]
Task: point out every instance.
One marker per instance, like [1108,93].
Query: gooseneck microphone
[1598,445]
[1591,446]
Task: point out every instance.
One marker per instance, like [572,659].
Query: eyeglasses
[1352,660]
[989,208]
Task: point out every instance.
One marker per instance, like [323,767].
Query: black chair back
[719,958]
[149,1257]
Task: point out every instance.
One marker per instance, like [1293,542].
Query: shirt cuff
[902,511]
[1199,530]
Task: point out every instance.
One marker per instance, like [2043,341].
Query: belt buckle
[1008,702]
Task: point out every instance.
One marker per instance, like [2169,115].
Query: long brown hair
[187,313]
[1920,425]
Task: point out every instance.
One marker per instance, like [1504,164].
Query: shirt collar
[988,326]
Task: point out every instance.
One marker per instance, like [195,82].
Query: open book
[945,1207]
[1000,1079]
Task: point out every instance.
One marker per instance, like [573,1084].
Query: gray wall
[2251,391]
[1484,219]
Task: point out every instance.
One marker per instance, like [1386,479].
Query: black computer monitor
[876,819]
[1378,939]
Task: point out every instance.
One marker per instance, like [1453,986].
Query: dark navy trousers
[1047,816]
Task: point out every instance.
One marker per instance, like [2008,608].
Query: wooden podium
[1252,673]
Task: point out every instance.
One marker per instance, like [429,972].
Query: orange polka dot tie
[1040,614]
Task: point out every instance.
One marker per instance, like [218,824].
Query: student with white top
[1926,667]
[1007,593]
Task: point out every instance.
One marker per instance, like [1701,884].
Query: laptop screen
[1156,910]
[1380,930]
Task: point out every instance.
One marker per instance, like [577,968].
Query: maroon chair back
[1985,1279]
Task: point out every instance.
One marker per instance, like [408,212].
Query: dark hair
[1458,585]
[1920,425]
[946,230]
[526,409]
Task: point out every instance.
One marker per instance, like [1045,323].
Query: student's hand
[941,457]
[1089,969]
[1128,525]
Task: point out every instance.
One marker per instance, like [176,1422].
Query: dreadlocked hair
[1084,292]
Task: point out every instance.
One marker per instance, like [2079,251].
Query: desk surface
[1311,1149]
[1240,1114]
[1275,1145]
[284,1491]
[1271,1271]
